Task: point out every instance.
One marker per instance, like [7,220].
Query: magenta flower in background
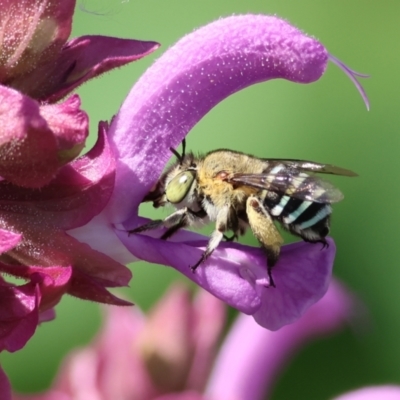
[172,354]
[43,190]
[190,78]
[37,67]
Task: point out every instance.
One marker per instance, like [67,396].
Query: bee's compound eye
[179,186]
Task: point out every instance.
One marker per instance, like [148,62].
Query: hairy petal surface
[81,59]
[19,314]
[32,32]
[35,141]
[79,192]
[8,240]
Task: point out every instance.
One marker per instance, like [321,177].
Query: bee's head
[176,182]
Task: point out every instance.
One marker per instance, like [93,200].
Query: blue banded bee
[237,191]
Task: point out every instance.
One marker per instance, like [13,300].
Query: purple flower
[193,76]
[44,189]
[169,354]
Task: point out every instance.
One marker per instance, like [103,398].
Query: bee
[237,191]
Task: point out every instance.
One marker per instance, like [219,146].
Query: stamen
[352,75]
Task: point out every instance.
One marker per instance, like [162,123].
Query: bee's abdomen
[307,219]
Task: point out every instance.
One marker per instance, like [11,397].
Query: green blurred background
[326,121]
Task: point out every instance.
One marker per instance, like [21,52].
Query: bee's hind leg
[265,231]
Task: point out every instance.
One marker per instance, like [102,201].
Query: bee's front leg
[177,220]
[216,236]
[173,222]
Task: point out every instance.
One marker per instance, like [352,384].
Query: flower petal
[209,322]
[5,387]
[219,275]
[8,240]
[19,314]
[70,126]
[81,59]
[78,193]
[53,282]
[302,277]
[237,274]
[36,141]
[28,148]
[31,32]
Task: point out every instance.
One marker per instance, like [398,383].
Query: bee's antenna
[183,148]
[180,157]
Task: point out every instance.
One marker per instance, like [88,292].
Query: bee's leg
[157,223]
[265,231]
[188,218]
[175,219]
[216,236]
[230,238]
[235,225]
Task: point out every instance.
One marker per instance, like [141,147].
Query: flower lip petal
[219,276]
[302,277]
[234,272]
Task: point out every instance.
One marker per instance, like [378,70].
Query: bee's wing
[293,183]
[311,166]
